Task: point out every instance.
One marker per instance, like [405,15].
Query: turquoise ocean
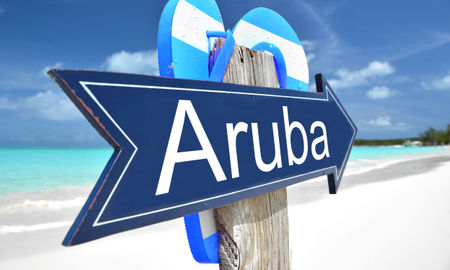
[37,169]
[44,188]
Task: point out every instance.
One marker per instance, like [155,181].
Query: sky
[388,61]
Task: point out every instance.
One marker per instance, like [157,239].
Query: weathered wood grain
[255,231]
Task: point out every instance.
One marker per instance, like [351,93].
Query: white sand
[401,224]
[398,224]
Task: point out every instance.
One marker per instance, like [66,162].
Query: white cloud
[380,92]
[51,105]
[348,78]
[48,105]
[143,62]
[310,56]
[308,47]
[6,104]
[380,121]
[385,122]
[43,71]
[308,44]
[438,84]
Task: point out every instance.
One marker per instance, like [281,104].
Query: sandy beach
[394,216]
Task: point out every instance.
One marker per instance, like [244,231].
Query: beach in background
[391,212]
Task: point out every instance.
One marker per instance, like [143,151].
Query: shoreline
[392,170]
[47,208]
[91,179]
[23,250]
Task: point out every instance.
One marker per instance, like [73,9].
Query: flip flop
[262,25]
[187,28]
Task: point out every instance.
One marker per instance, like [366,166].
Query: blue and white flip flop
[187,29]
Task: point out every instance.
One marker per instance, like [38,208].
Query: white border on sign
[84,85]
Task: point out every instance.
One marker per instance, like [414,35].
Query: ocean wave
[43,204]
[5,229]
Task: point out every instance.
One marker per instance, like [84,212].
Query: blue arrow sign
[184,146]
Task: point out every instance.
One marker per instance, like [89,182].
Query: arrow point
[334,179]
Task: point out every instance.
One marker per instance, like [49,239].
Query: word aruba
[173,156]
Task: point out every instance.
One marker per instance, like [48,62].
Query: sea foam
[5,229]
[42,205]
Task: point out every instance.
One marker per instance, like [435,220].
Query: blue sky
[388,61]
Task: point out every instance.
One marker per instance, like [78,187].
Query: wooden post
[254,232]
